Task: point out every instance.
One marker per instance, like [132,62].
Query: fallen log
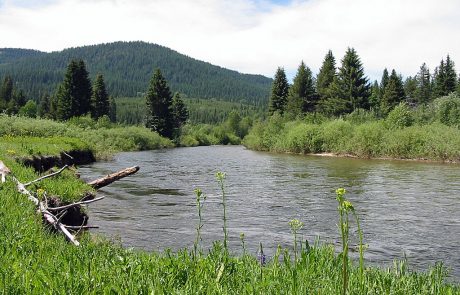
[52,216]
[48,216]
[106,180]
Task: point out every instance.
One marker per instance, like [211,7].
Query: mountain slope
[128,67]
[9,55]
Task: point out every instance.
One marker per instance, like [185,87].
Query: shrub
[400,117]
[448,110]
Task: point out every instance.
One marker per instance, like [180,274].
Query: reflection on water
[407,208]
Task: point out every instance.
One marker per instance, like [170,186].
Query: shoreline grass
[103,138]
[433,142]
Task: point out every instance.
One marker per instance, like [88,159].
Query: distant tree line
[338,91]
[74,97]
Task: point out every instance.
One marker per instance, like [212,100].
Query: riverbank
[375,139]
[102,137]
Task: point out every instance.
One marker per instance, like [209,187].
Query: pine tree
[279,92]
[75,90]
[159,106]
[6,91]
[17,101]
[410,89]
[82,96]
[179,111]
[302,94]
[53,107]
[100,105]
[384,82]
[350,86]
[112,110]
[451,76]
[44,106]
[423,81]
[445,78]
[393,94]
[326,75]
[374,98]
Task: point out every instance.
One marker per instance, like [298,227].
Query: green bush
[302,138]
[336,134]
[400,117]
[360,116]
[367,140]
[448,110]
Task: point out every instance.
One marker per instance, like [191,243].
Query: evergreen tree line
[132,110]
[74,97]
[338,91]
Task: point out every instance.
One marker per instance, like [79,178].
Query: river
[407,208]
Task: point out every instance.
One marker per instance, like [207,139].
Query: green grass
[103,138]
[372,139]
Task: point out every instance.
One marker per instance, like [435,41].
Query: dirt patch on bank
[44,163]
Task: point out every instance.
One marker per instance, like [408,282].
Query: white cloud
[252,36]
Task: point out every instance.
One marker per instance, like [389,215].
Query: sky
[250,36]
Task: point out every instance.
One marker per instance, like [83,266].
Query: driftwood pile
[54,212]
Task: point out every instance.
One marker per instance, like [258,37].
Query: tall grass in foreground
[33,260]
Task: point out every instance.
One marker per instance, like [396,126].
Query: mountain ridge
[128,67]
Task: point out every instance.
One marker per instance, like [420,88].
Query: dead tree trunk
[51,216]
[106,180]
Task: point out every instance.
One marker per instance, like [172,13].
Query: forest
[127,68]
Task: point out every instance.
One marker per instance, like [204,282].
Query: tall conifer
[100,105]
[326,75]
[444,78]
[423,81]
[179,110]
[159,106]
[74,95]
[351,85]
[112,110]
[279,92]
[393,94]
[302,94]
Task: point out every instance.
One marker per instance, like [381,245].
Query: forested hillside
[127,68]
[9,55]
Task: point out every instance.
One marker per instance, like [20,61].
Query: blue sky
[250,36]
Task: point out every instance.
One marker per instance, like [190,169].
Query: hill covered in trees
[11,55]
[127,68]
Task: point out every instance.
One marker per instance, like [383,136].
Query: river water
[406,208]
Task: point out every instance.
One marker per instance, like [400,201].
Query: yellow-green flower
[220,176]
[340,191]
[295,225]
[348,206]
